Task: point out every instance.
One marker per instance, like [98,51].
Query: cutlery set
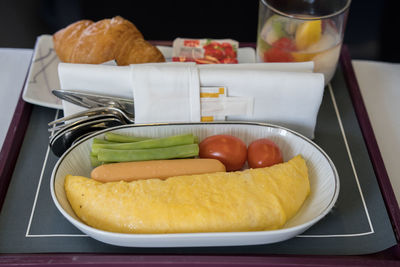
[103,112]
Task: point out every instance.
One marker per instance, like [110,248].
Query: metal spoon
[62,140]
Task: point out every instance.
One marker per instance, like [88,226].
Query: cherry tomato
[263,153]
[228,149]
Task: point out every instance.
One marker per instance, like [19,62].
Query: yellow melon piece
[301,56]
[249,200]
[308,33]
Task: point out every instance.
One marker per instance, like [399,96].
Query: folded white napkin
[166,92]
[288,94]
[288,99]
[101,79]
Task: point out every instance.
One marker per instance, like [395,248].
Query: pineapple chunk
[308,33]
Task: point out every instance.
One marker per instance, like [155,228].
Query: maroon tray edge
[10,151]
[12,144]
[187,260]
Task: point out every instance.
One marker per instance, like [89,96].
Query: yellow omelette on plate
[249,200]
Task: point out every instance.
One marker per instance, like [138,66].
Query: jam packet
[205,51]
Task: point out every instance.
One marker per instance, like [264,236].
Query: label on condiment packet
[205,51]
[216,105]
[211,93]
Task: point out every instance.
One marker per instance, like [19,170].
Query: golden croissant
[116,39]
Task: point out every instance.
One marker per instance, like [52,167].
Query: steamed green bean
[169,141]
[123,138]
[182,151]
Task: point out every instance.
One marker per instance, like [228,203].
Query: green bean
[95,162]
[175,140]
[123,138]
[182,151]
[102,141]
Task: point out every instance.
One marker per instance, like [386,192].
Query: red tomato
[228,149]
[275,54]
[285,43]
[280,51]
[263,153]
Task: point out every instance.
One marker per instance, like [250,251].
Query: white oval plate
[323,176]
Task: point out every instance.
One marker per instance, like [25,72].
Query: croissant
[116,39]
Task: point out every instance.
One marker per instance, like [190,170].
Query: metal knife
[90,100]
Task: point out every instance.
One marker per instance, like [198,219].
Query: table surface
[379,85]
[14,64]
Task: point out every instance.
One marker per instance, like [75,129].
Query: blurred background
[370,27]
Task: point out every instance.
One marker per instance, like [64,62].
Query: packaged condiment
[205,51]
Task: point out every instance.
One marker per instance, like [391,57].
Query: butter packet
[205,51]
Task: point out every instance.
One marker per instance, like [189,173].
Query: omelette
[250,200]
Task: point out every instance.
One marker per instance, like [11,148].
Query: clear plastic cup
[302,30]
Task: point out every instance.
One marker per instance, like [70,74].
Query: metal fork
[92,100]
[93,112]
[89,115]
[102,112]
[60,126]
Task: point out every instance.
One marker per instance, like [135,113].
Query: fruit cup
[300,30]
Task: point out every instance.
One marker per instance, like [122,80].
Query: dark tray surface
[360,228]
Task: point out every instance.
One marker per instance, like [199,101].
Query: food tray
[361,229]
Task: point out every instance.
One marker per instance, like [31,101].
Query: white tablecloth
[380,87]
[14,65]
[379,83]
